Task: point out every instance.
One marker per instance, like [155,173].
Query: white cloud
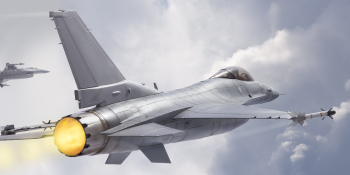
[289,134]
[274,51]
[284,148]
[282,53]
[320,138]
[342,111]
[298,152]
[347,85]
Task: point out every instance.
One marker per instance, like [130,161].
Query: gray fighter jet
[128,116]
[12,72]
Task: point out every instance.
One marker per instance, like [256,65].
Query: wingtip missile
[302,116]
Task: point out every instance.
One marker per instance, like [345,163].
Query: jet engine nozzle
[79,134]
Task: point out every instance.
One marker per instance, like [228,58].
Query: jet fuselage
[159,108]
[15,73]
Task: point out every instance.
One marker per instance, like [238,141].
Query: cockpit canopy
[234,72]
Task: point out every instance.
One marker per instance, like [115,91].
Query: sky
[301,48]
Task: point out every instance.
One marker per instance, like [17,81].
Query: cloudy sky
[302,48]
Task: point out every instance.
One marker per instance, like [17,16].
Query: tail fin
[99,81]
[90,65]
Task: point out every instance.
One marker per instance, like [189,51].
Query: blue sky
[301,48]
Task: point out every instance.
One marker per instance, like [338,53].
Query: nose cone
[275,93]
[42,71]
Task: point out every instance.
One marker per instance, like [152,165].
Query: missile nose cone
[275,93]
[331,112]
[45,71]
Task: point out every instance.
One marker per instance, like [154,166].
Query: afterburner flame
[69,136]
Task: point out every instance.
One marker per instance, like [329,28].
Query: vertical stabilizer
[98,80]
[90,65]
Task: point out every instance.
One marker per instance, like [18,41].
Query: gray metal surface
[112,93]
[95,123]
[146,130]
[117,158]
[232,111]
[132,120]
[90,65]
[156,153]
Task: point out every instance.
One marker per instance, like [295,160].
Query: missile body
[320,114]
[302,116]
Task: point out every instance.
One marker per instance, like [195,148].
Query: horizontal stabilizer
[25,136]
[156,153]
[117,158]
[146,130]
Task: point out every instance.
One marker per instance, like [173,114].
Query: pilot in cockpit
[234,72]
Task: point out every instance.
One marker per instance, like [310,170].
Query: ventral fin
[156,153]
[117,158]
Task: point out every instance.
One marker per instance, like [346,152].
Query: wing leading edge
[226,111]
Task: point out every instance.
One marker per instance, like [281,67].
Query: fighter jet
[11,72]
[126,116]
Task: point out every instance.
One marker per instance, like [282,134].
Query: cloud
[342,111]
[289,134]
[298,152]
[275,52]
[347,85]
[320,138]
[281,151]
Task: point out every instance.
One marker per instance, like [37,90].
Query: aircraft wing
[25,136]
[9,132]
[227,111]
[90,65]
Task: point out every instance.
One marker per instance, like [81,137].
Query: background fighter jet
[12,72]
[128,116]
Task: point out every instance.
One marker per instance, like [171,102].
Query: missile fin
[302,122]
[293,124]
